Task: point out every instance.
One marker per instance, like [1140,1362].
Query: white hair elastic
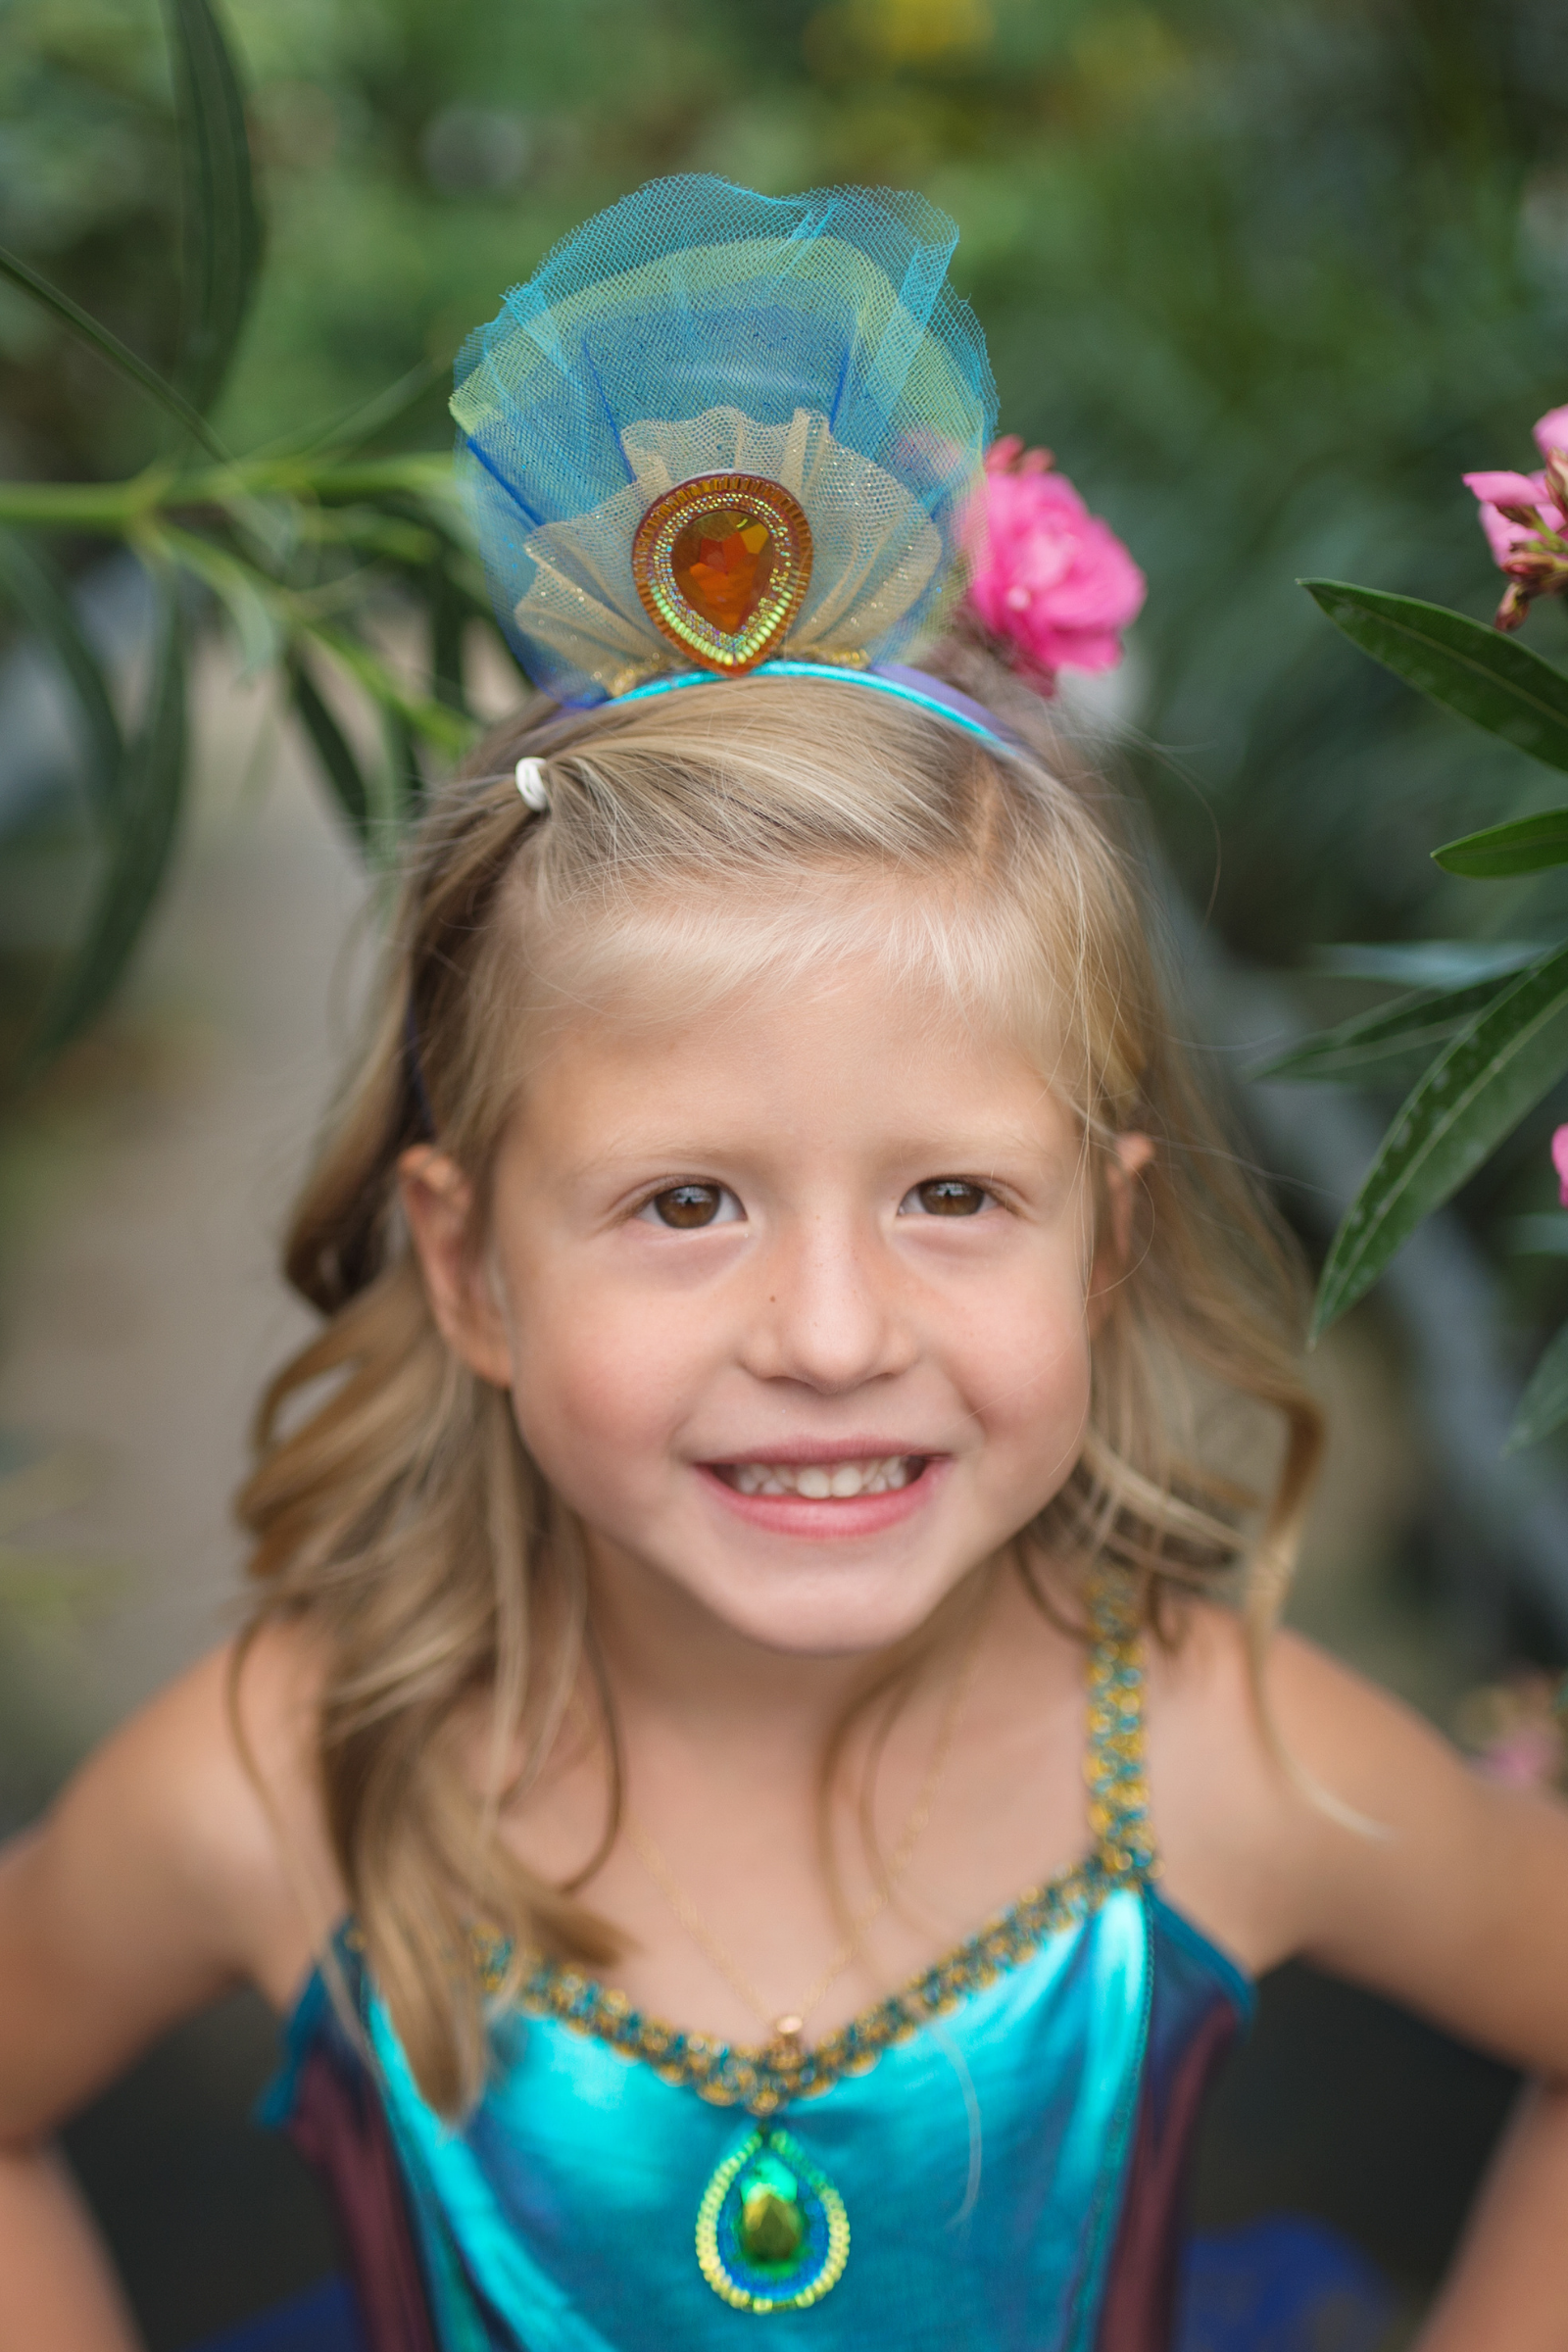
[532,786]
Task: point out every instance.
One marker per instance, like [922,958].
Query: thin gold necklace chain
[788,2028]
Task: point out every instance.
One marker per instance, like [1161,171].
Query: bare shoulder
[1346,1829]
[187,1854]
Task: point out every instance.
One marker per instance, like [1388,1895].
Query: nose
[831,1310]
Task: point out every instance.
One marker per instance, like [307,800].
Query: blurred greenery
[1267,280]
[1501,1027]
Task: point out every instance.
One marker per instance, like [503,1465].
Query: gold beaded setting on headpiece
[722,564]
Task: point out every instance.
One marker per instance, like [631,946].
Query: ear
[438,1204]
[1113,1244]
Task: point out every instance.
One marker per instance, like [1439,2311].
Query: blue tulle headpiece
[716,428]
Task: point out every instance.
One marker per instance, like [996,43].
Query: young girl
[781,1305]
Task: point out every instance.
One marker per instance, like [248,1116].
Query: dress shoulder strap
[1113,1762]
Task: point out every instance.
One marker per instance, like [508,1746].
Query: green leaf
[108,347]
[1363,1047]
[245,594]
[331,745]
[1545,1235]
[407,774]
[367,420]
[35,589]
[443,729]
[1430,962]
[1526,846]
[1464,663]
[1504,1058]
[449,614]
[222,233]
[1544,1406]
[145,822]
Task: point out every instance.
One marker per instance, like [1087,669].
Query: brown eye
[689,1205]
[950,1197]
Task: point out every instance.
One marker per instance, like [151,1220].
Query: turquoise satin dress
[993,2158]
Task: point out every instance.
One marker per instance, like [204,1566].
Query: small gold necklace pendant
[787,2048]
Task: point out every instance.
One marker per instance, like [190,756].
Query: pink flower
[1551,431]
[1559,1160]
[1529,1756]
[1499,492]
[1525,517]
[1049,578]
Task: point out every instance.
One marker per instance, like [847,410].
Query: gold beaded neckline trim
[768,2079]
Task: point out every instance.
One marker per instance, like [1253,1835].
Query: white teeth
[820,1482]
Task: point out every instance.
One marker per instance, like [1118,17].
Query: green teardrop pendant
[771,2230]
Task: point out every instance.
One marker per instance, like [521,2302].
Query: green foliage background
[1265,278]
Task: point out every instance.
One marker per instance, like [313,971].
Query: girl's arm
[153,1886]
[60,2293]
[1522,2209]
[1453,1899]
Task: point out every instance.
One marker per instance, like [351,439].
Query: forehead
[835,1062]
[716,954]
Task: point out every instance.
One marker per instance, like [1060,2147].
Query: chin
[824,1616]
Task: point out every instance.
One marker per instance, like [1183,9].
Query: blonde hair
[399,1513]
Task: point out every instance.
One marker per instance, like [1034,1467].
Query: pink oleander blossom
[1052,580]
[1528,1758]
[1497,491]
[1525,517]
[1559,1160]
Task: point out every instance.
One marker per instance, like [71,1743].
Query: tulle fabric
[697,327]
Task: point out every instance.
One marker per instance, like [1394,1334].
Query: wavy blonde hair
[698,843]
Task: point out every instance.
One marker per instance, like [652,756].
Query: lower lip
[835,1519]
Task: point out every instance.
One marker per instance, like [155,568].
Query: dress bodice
[993,2157]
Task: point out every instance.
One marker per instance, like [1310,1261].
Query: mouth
[823,1482]
[839,1496]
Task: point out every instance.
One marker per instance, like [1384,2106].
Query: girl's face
[794,1304]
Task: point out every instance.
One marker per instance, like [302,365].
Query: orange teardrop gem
[723,564]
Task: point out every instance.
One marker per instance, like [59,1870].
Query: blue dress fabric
[1005,2140]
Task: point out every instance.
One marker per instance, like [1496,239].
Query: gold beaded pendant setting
[771,2230]
[722,564]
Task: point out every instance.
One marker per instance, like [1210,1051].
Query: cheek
[597,1386]
[1031,1371]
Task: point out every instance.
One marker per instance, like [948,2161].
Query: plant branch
[108,347]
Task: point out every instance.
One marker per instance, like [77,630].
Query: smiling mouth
[823,1482]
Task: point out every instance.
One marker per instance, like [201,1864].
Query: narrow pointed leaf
[1364,1047]
[1545,1235]
[367,419]
[332,749]
[1430,962]
[1526,846]
[1464,663]
[245,594]
[406,771]
[432,723]
[449,614]
[221,236]
[36,591]
[108,347]
[1544,1406]
[145,823]
[1501,1064]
